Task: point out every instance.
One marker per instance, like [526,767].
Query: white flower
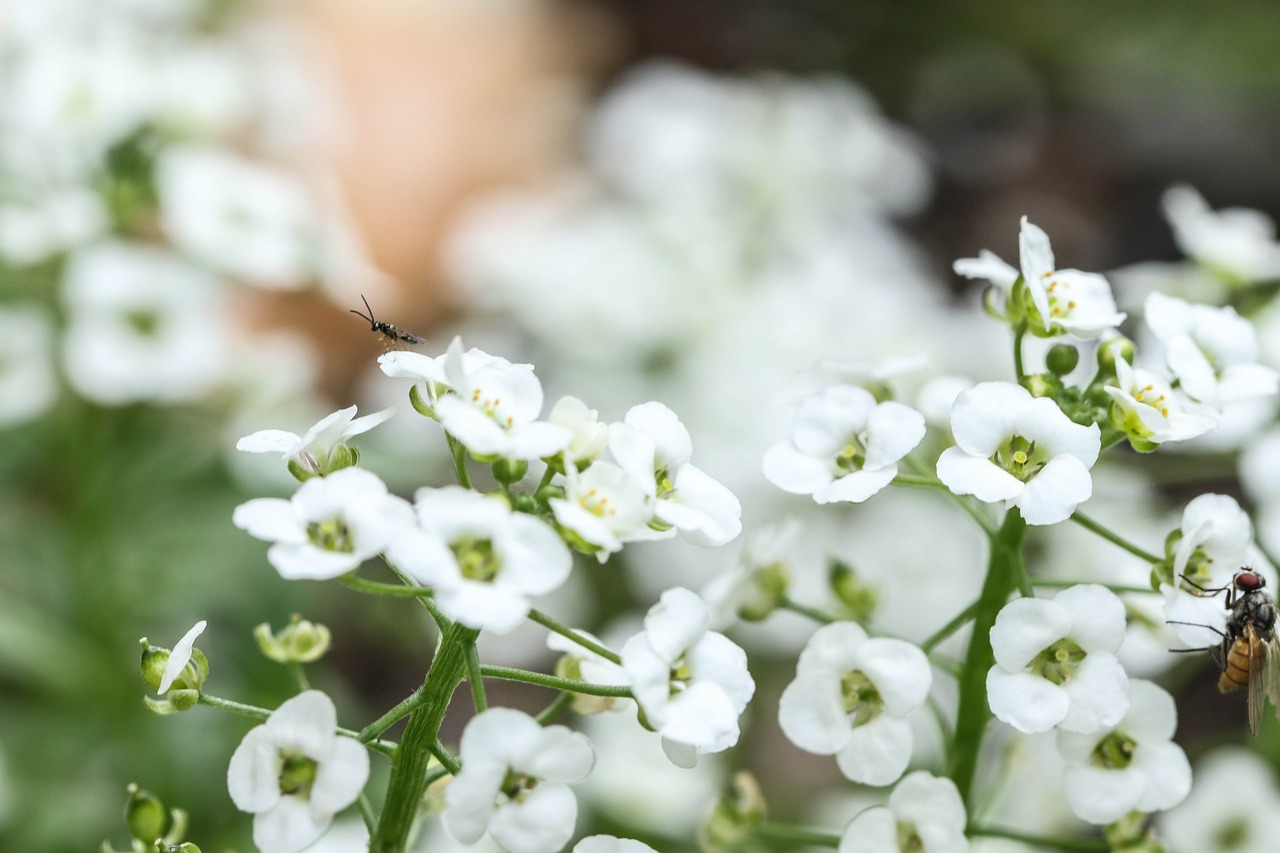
[606,507]
[330,526]
[924,813]
[1056,663]
[1214,541]
[484,561]
[755,584]
[1235,242]
[1212,352]
[1020,449]
[314,449]
[494,406]
[1062,301]
[1134,766]
[179,657]
[850,697]
[294,772]
[239,217]
[654,448]
[610,844]
[1234,806]
[590,437]
[28,384]
[514,782]
[1151,412]
[845,445]
[692,683]
[143,325]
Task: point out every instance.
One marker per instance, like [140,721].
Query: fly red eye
[1249,581]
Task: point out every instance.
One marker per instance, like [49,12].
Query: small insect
[392,334]
[1250,649]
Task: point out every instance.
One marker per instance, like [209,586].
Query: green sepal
[159,707]
[300,472]
[146,816]
[859,599]
[734,816]
[766,590]
[341,456]
[420,405]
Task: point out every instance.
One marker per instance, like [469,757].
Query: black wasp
[392,334]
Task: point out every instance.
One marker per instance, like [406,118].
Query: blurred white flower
[1134,766]
[1237,243]
[1019,449]
[590,436]
[849,698]
[1151,411]
[924,813]
[294,772]
[610,844]
[514,782]
[330,526]
[314,449]
[142,325]
[1234,806]
[179,657]
[484,561]
[493,408]
[32,230]
[654,448]
[1212,352]
[691,683]
[1056,662]
[845,445]
[28,384]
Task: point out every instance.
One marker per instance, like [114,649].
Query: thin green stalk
[445,757]
[1112,537]
[973,712]
[547,476]
[256,713]
[918,480]
[402,709]
[478,698]
[507,673]
[359,584]
[961,619]
[813,613]
[563,630]
[412,758]
[927,481]
[794,836]
[1018,334]
[459,454]
[553,710]
[1114,587]
[299,676]
[1053,842]
[366,811]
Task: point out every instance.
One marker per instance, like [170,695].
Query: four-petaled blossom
[484,561]
[605,507]
[1212,352]
[1236,243]
[845,446]
[494,407]
[429,370]
[923,813]
[1062,301]
[1134,766]
[330,526]
[1151,411]
[1213,543]
[1056,663]
[850,697]
[1020,449]
[691,683]
[514,782]
[294,772]
[654,448]
[314,450]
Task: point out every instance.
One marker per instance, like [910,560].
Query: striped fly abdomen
[1235,670]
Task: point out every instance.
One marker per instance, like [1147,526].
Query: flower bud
[341,456]
[764,592]
[734,815]
[859,599]
[1062,359]
[1132,834]
[570,667]
[1109,351]
[301,641]
[146,816]
[509,471]
[590,437]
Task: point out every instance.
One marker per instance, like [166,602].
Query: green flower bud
[1109,351]
[734,816]
[1043,385]
[525,503]
[765,591]
[301,641]
[859,599]
[146,816]
[1062,359]
[509,471]
[342,456]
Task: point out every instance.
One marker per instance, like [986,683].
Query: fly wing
[1271,672]
[1258,682]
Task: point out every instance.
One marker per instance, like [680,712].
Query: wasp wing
[1258,687]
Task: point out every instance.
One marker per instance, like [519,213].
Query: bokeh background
[691,202]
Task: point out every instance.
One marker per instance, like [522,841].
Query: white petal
[987,266]
[253,777]
[1024,628]
[682,755]
[1054,493]
[872,831]
[1041,419]
[671,441]
[676,622]
[965,474]
[179,657]
[983,416]
[269,441]
[367,422]
[341,778]
[812,716]
[402,364]
[703,716]
[1167,773]
[288,827]
[707,514]
[1036,257]
[1027,702]
[306,723]
[933,804]
[609,844]
[893,431]
[561,755]
[900,672]
[1097,616]
[1099,795]
[537,440]
[307,562]
[477,431]
[271,519]
[1099,694]
[877,752]
[795,472]
[857,486]
[542,822]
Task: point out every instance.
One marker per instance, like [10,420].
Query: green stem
[407,589]
[924,479]
[389,719]
[299,676]
[563,630]
[256,713]
[813,613]
[507,673]
[547,476]
[1112,537]
[961,619]
[1056,842]
[918,480]
[973,712]
[459,454]
[1018,334]
[553,710]
[366,811]
[478,698]
[794,836]
[412,758]
[446,758]
[1114,587]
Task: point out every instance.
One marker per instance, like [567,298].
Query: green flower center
[680,677]
[331,535]
[851,457]
[145,323]
[1232,835]
[1058,663]
[862,701]
[1020,457]
[514,785]
[1114,752]
[909,840]
[297,774]
[477,559]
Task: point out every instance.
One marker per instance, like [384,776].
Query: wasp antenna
[367,306]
